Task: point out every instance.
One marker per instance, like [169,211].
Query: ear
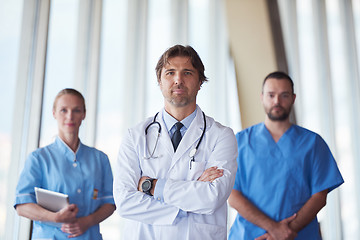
[294,97]
[54,114]
[84,116]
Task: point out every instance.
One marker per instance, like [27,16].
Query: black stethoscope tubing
[192,152]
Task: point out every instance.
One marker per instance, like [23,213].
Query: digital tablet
[53,201]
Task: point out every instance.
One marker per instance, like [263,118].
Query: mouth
[277,108]
[178,91]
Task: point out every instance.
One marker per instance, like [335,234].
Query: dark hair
[70,91]
[179,50]
[279,75]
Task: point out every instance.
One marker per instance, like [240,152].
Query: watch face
[146,185]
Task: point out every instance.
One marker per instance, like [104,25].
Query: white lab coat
[204,202]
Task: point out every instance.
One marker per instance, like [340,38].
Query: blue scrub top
[85,176]
[279,178]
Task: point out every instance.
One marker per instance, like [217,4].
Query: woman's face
[69,113]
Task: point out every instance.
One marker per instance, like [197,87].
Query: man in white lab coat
[172,190]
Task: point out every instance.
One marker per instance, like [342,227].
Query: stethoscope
[192,152]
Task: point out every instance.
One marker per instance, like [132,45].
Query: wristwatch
[147,186]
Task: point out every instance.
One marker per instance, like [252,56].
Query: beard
[278,117]
[180,100]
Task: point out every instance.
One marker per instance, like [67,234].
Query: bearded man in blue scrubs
[284,172]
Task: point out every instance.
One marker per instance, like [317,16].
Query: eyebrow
[285,92]
[184,70]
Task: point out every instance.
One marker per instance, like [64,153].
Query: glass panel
[60,62]
[199,39]
[343,115]
[356,12]
[159,39]
[10,30]
[308,96]
[110,116]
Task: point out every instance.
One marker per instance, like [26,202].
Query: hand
[67,214]
[77,228]
[210,174]
[266,236]
[280,231]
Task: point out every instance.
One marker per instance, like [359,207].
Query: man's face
[277,99]
[179,82]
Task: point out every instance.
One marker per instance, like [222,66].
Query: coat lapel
[190,138]
[165,141]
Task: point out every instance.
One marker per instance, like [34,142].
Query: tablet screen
[53,201]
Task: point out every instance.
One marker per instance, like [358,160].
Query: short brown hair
[182,51]
[70,91]
[279,75]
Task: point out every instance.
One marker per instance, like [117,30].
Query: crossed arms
[207,194]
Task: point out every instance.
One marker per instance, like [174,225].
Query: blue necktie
[176,138]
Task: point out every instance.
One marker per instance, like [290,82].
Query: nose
[276,99]
[69,115]
[178,79]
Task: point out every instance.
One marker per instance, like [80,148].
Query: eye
[188,73]
[285,95]
[169,73]
[63,110]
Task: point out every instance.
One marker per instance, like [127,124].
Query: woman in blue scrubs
[70,167]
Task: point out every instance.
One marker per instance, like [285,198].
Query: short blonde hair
[70,91]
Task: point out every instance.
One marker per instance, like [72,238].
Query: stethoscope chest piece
[192,153]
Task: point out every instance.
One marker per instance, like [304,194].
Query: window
[108,51]
[321,38]
[60,60]
[10,28]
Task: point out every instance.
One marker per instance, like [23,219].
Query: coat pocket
[209,231]
[197,168]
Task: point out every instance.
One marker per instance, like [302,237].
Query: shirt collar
[170,120]
[65,148]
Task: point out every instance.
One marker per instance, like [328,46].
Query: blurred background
[108,49]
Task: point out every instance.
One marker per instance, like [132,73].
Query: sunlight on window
[10,30]
[60,60]
[159,39]
[343,117]
[110,126]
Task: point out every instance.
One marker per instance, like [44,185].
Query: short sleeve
[107,195]
[325,172]
[30,177]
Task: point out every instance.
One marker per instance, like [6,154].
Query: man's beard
[181,101]
[282,117]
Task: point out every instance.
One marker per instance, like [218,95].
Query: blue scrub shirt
[279,178]
[85,176]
